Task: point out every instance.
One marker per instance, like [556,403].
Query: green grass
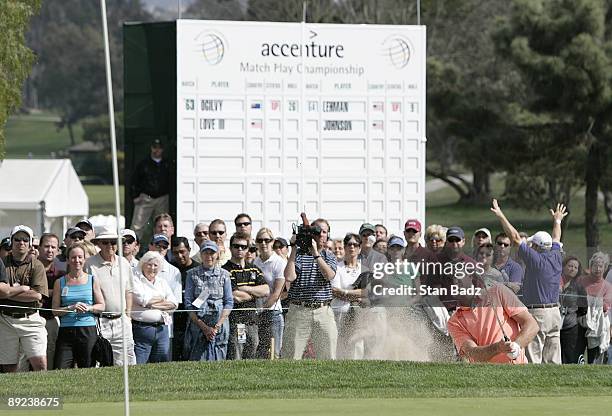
[524,406]
[102,199]
[285,379]
[36,134]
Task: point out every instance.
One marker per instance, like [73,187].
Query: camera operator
[310,270]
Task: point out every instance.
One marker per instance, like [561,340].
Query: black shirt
[151,178]
[249,275]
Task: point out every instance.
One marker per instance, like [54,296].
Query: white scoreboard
[278,118]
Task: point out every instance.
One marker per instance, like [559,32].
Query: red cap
[413,225]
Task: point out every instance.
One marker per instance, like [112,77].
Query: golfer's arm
[470,350]
[529,328]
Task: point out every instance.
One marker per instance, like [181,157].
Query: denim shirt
[217,281]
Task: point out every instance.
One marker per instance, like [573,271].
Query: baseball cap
[74,230]
[541,239]
[282,241]
[455,231]
[483,230]
[127,232]
[413,224]
[6,243]
[158,238]
[395,240]
[22,228]
[84,222]
[209,245]
[366,226]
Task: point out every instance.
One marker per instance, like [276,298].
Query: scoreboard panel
[278,118]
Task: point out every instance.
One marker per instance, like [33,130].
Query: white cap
[483,230]
[541,239]
[22,228]
[126,231]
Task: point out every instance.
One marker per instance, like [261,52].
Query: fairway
[284,387]
[524,406]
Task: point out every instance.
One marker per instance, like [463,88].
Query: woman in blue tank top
[76,297]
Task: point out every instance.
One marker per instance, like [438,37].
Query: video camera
[305,233]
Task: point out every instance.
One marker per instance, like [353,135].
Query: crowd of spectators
[504,297]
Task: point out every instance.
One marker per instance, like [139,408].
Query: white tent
[43,194]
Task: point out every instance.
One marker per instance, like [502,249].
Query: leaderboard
[274,119]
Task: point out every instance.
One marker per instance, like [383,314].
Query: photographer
[310,270]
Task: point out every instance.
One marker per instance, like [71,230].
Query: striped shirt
[310,285]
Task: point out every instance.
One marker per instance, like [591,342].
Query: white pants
[304,323]
[112,331]
[546,346]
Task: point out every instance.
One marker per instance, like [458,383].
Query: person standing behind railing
[79,296]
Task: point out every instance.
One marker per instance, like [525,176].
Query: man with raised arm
[543,265]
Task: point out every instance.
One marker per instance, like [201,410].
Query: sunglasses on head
[240,246]
[264,240]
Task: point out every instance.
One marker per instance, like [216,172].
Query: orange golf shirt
[478,323]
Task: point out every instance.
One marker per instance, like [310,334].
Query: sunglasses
[77,237]
[21,239]
[352,244]
[128,241]
[264,240]
[217,232]
[243,224]
[499,243]
[240,246]
[107,242]
[277,247]
[252,249]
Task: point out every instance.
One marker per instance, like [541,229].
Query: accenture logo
[213,46]
[398,50]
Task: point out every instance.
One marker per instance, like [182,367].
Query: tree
[68,39]
[15,58]
[562,51]
[216,10]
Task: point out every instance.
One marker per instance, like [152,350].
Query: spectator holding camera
[310,270]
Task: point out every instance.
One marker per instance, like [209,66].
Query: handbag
[102,352]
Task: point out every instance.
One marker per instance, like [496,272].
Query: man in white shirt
[106,268]
[130,248]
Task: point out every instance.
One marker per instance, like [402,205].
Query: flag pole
[111,116]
